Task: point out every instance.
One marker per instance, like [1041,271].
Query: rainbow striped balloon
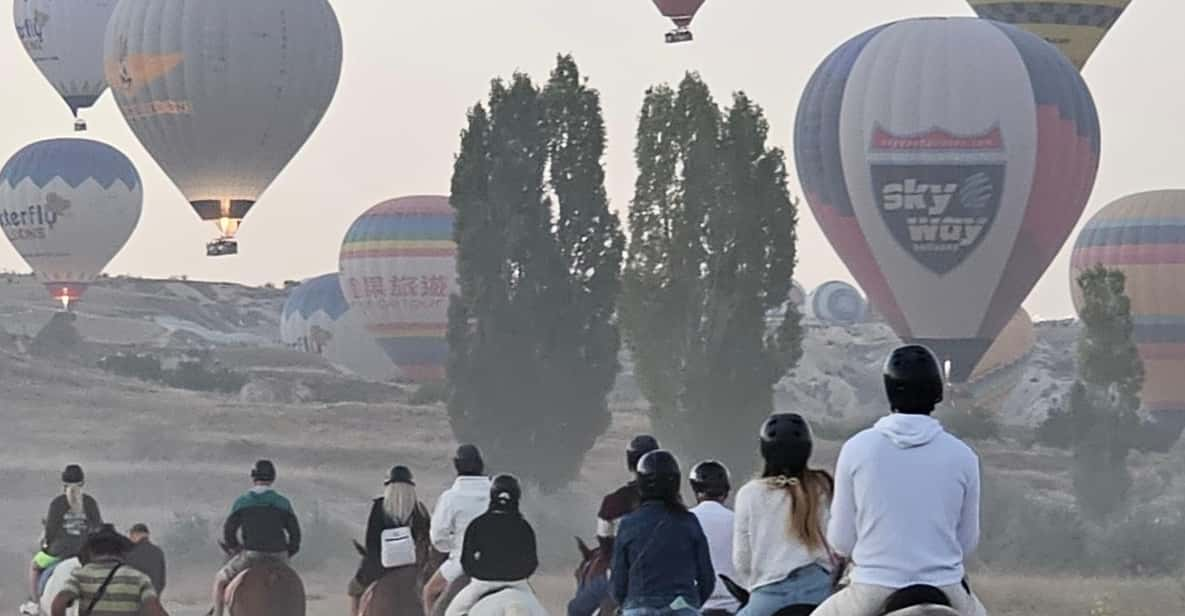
[398,269]
[1143,235]
[1003,365]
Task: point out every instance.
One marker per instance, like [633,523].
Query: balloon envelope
[398,269]
[947,187]
[223,93]
[679,11]
[65,40]
[1003,365]
[317,319]
[838,303]
[1143,236]
[68,206]
[1076,27]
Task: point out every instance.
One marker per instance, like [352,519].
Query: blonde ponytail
[809,494]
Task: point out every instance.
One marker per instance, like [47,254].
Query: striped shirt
[125,595]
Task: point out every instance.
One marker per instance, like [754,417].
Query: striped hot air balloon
[838,303]
[398,269]
[947,186]
[1143,236]
[317,319]
[1003,366]
[1074,26]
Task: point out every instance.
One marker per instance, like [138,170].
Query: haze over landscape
[411,70]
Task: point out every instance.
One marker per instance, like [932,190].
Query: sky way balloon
[317,319]
[947,186]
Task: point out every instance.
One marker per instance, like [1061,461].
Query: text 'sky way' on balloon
[65,40]
[837,303]
[317,319]
[223,93]
[947,187]
[398,270]
[1002,367]
[68,206]
[1075,26]
[1143,236]
[681,12]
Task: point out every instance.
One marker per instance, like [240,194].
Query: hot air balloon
[1075,26]
[947,187]
[837,303]
[1143,236]
[1003,365]
[681,12]
[796,298]
[68,206]
[398,270]
[65,40]
[223,93]
[317,319]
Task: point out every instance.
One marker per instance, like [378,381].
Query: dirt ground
[176,460]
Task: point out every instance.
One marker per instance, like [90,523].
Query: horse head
[918,600]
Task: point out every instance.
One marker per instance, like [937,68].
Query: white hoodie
[906,506]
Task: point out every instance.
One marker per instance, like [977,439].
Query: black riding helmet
[658,476]
[505,493]
[468,460]
[710,478]
[913,380]
[400,474]
[638,447]
[264,471]
[73,475]
[786,443]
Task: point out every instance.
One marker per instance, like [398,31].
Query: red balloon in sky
[679,11]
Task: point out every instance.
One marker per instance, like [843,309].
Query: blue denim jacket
[659,556]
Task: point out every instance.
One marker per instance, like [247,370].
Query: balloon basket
[79,125]
[222,247]
[679,36]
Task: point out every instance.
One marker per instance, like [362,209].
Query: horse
[594,568]
[398,590]
[266,588]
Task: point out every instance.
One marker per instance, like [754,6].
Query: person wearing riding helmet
[779,547]
[398,507]
[499,550]
[468,498]
[661,561]
[270,530]
[906,507]
[711,484]
[614,506]
[72,515]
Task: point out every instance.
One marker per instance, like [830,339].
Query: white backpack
[398,548]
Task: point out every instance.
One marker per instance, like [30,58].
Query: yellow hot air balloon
[1074,26]
[1003,366]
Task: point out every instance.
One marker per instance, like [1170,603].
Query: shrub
[195,376]
[1020,531]
[189,539]
[976,424]
[133,365]
[1142,544]
[324,539]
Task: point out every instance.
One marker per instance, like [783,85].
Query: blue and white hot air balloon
[837,303]
[68,206]
[317,319]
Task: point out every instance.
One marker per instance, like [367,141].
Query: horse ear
[358,546]
[585,551]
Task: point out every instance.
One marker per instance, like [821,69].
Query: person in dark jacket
[268,526]
[661,562]
[499,550]
[146,557]
[72,516]
[397,507]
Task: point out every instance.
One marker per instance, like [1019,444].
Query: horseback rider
[780,549]
[398,507]
[72,516]
[455,509]
[710,482]
[270,530]
[105,585]
[614,506]
[661,561]
[499,550]
[895,541]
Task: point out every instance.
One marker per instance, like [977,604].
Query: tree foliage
[712,251]
[532,339]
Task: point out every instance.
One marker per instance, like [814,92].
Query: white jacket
[455,509]
[763,549]
[717,522]
[906,505]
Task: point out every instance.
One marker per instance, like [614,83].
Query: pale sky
[413,67]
